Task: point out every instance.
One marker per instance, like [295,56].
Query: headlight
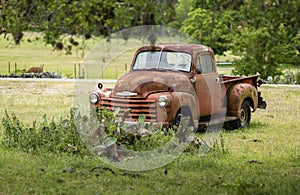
[163,101]
[94,98]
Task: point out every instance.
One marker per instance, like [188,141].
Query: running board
[217,121]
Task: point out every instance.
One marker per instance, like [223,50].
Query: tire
[177,119]
[244,120]
[245,115]
[182,126]
[183,112]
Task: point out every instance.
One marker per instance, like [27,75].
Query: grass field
[32,52]
[263,159]
[100,59]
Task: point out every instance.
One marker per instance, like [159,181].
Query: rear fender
[237,94]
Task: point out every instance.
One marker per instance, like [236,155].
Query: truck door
[207,85]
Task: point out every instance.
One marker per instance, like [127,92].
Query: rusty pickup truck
[169,81]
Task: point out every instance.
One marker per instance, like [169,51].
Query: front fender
[237,94]
[177,100]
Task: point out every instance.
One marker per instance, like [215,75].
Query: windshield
[163,60]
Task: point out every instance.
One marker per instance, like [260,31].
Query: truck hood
[140,84]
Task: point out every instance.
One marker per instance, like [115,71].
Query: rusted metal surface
[236,94]
[136,106]
[202,94]
[146,82]
[228,81]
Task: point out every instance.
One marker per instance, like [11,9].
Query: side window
[205,63]
[198,65]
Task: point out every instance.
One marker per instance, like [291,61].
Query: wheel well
[185,110]
[250,100]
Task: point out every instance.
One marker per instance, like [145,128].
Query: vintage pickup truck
[169,81]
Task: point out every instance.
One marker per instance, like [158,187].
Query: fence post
[83,71]
[74,71]
[15,67]
[79,71]
[9,68]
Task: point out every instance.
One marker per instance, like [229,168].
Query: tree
[86,18]
[266,36]
[182,8]
[209,28]
[250,45]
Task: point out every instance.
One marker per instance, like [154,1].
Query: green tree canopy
[265,34]
[209,29]
[85,18]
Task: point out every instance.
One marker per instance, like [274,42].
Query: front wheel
[245,114]
[183,113]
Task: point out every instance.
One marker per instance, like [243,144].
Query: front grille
[137,107]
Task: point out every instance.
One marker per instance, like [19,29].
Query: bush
[46,136]
[138,138]
[68,136]
[286,78]
[298,78]
[83,135]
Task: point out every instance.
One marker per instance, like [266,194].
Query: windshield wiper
[160,54]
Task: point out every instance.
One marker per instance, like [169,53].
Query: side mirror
[100,85]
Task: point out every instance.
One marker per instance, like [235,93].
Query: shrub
[138,137]
[74,134]
[66,136]
[298,78]
[47,136]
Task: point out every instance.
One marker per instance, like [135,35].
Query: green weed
[65,136]
[56,137]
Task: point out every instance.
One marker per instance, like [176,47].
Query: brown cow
[35,70]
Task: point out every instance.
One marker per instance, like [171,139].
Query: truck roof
[180,47]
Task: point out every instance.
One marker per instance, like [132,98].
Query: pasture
[93,58]
[262,159]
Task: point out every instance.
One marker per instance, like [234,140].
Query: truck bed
[229,80]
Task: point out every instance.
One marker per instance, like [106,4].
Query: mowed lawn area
[262,159]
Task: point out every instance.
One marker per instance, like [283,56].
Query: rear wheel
[243,121]
[245,114]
